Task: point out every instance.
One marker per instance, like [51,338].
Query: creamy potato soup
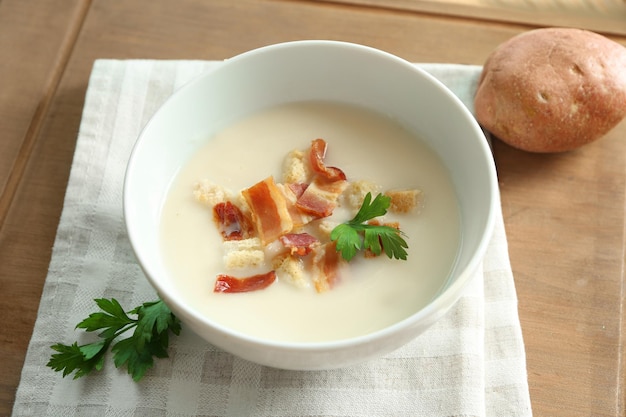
[370,293]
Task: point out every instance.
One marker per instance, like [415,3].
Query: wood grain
[564,213]
[564,217]
[36,39]
[32,65]
[603,16]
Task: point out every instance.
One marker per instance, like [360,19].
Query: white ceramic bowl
[311,70]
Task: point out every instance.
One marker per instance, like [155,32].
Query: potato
[552,89]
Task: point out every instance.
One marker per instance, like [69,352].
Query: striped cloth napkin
[470,363]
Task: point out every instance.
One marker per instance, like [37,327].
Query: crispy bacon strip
[299,243]
[231,222]
[298,217]
[269,210]
[229,284]
[297,188]
[320,197]
[317,154]
[326,262]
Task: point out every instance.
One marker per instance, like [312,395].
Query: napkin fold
[470,363]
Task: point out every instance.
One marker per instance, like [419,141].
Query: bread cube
[243,253]
[404,201]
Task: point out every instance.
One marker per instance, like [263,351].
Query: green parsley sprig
[150,339]
[355,235]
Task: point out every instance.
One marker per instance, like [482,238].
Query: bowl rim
[430,313]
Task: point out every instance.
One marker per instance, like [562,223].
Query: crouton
[403,201]
[356,192]
[243,253]
[325,227]
[209,193]
[296,168]
[291,269]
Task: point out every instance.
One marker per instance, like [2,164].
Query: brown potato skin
[552,89]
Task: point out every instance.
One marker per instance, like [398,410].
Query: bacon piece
[269,210]
[229,284]
[298,188]
[317,154]
[299,243]
[320,197]
[326,262]
[298,217]
[231,222]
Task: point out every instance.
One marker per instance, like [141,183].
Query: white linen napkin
[470,363]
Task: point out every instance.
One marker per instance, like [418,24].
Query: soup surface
[372,293]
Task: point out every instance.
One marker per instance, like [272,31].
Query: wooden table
[564,213]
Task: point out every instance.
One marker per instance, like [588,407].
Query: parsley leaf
[150,339]
[111,320]
[355,234]
[154,318]
[82,359]
[348,240]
